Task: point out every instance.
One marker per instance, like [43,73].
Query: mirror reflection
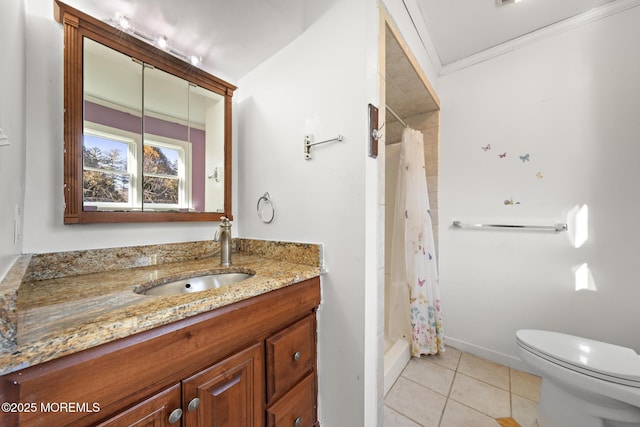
[152,141]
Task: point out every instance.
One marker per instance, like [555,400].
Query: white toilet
[585,383]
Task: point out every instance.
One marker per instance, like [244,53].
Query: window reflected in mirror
[168,158]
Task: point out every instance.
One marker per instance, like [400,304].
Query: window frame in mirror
[78,25]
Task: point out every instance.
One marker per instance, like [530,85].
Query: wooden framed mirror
[147,136]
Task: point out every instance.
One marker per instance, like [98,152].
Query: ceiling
[461,28]
[233,37]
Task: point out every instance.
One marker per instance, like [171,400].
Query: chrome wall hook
[377,134]
[308,143]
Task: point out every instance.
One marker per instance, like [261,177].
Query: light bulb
[123,23]
[162,42]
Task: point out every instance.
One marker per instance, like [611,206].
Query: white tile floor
[456,389]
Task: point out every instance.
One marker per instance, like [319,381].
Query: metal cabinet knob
[297,422]
[175,416]
[193,404]
[296,356]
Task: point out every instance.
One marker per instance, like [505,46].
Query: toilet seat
[597,359]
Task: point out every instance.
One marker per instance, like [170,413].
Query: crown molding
[593,15]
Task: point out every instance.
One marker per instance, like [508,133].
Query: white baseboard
[485,353]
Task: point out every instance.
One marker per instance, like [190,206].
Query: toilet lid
[608,362]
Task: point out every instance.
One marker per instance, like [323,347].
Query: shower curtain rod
[393,113]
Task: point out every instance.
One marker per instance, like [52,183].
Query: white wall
[12,122]
[321,84]
[572,103]
[44,203]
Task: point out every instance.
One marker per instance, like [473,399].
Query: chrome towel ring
[265,208]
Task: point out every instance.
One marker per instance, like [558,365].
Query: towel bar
[556,228]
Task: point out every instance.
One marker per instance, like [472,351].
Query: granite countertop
[68,302]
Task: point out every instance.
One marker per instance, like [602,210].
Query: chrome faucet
[223,235]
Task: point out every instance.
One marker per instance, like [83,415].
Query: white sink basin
[196,284]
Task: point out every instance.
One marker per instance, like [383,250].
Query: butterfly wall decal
[487,147]
[525,158]
[539,175]
[503,155]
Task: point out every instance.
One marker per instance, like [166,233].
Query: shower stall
[410,101]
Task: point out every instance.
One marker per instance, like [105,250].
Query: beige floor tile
[459,415]
[480,396]
[525,411]
[429,374]
[418,403]
[484,370]
[448,358]
[395,419]
[525,385]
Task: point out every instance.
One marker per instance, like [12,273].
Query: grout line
[510,396]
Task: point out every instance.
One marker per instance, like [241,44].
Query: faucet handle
[224,222]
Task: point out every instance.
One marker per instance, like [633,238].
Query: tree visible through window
[106,175]
[111,173]
[160,175]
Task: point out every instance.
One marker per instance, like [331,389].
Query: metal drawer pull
[175,416]
[193,404]
[296,356]
[297,422]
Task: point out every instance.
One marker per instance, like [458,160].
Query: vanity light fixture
[124,23]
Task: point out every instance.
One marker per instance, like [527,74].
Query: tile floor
[457,389]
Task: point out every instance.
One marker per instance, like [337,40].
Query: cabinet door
[152,412]
[230,393]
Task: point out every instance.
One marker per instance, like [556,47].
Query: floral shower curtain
[415,293]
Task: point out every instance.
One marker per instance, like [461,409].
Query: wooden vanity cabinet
[248,364]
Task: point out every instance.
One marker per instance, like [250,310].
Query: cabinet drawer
[291,355]
[296,408]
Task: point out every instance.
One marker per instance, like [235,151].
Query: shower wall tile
[432,187]
[382,159]
[381,235]
[381,288]
[433,193]
[434,216]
